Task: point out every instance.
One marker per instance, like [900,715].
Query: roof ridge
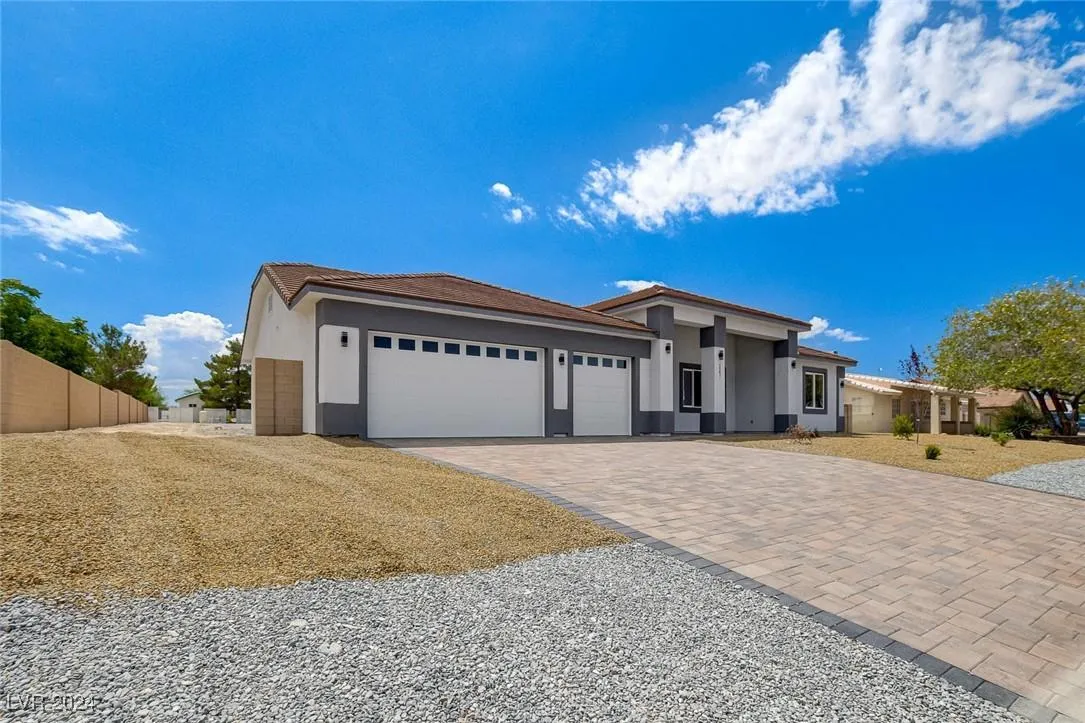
[538,298]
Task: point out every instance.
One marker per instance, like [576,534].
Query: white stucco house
[871,403]
[339,352]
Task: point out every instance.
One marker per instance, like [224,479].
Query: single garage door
[421,386]
[601,395]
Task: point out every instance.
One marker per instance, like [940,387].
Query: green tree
[24,324]
[118,360]
[1031,339]
[229,383]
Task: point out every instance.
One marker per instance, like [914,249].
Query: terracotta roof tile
[820,354]
[678,294]
[290,278]
[999,397]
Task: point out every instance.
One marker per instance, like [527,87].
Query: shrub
[1020,420]
[933,451]
[1001,438]
[799,433]
[903,426]
[982,430]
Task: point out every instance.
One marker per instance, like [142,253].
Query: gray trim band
[661,321]
[715,335]
[788,348]
[713,422]
[780,422]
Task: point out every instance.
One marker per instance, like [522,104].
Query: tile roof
[1000,397]
[889,382]
[679,295]
[871,386]
[821,354]
[290,278]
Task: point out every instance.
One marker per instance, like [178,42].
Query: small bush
[799,433]
[1020,420]
[903,426]
[1001,438]
[982,430]
[933,451]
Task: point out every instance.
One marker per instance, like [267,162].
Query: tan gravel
[962,455]
[136,513]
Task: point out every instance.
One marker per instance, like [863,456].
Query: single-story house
[872,402]
[337,352]
[187,408]
[995,401]
[190,401]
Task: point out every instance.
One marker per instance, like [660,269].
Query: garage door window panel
[531,355]
[452,348]
[382,342]
[492,352]
[406,344]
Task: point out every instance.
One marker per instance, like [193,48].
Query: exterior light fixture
[667,347]
[719,355]
[793,364]
[841,383]
[561,360]
[344,339]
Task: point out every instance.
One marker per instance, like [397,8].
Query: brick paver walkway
[988,578]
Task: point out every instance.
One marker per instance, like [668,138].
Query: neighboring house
[435,355]
[996,401]
[187,409]
[190,401]
[872,403]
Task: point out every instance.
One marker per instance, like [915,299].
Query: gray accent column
[785,349]
[713,421]
[840,420]
[660,319]
[636,422]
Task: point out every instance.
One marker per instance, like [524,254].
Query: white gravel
[1064,478]
[615,634]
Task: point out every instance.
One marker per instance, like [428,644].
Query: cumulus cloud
[759,71]
[819,326]
[63,228]
[573,215]
[910,85]
[516,209]
[58,263]
[632,285]
[177,346]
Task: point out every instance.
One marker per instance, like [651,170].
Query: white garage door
[422,386]
[601,401]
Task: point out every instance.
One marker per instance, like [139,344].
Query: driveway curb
[981,687]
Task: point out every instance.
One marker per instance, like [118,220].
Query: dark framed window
[474,350]
[512,353]
[814,393]
[382,342]
[593,361]
[577,359]
[531,355]
[894,407]
[406,344]
[451,348]
[430,346]
[608,362]
[621,363]
[689,387]
[492,352]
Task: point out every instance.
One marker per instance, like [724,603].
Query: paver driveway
[988,578]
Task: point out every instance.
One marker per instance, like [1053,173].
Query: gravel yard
[1064,478]
[615,634]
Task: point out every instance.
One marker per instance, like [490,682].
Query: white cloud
[759,71]
[909,85]
[1079,24]
[1006,5]
[516,209]
[572,214]
[58,263]
[501,190]
[177,346]
[632,285]
[819,326]
[61,228]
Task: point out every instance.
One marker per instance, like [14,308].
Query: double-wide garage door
[422,386]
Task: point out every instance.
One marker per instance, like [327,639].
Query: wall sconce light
[561,360]
[719,355]
[344,339]
[841,383]
[667,347]
[794,364]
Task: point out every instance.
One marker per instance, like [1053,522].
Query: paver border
[992,692]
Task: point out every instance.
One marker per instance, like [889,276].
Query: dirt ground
[962,455]
[102,512]
[176,429]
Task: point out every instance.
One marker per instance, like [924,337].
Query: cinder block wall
[39,396]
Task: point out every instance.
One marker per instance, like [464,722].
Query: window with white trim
[813,394]
[689,387]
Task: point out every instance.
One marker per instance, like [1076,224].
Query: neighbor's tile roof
[891,383]
[290,278]
[666,292]
[821,354]
[1000,397]
[871,386]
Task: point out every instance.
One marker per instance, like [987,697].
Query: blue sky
[876,167]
